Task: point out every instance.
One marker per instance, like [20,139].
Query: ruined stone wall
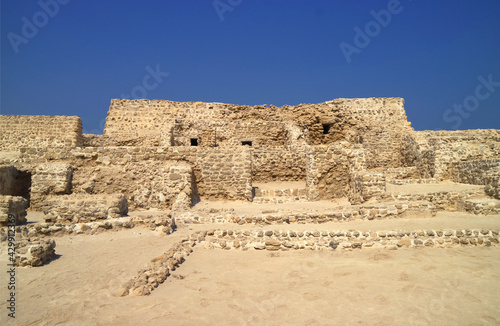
[83,208]
[225,173]
[50,179]
[15,206]
[366,185]
[91,140]
[151,123]
[279,163]
[18,131]
[327,172]
[231,134]
[15,182]
[144,175]
[145,184]
[434,152]
[481,172]
[377,123]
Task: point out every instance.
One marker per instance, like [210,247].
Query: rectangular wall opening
[326,128]
[194,141]
[246,143]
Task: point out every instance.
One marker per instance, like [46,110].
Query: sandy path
[442,220]
[447,186]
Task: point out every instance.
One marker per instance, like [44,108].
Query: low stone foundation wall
[401,182]
[80,207]
[342,239]
[366,185]
[165,224]
[33,247]
[445,200]
[277,200]
[15,206]
[483,207]
[157,271]
[402,172]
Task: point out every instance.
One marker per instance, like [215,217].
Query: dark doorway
[194,141]
[326,128]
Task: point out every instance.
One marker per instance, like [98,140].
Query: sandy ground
[458,286]
[430,188]
[425,286]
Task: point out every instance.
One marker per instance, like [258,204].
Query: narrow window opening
[194,141]
[247,143]
[326,128]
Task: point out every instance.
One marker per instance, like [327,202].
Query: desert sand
[414,286]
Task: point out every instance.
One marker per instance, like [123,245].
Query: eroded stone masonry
[168,156]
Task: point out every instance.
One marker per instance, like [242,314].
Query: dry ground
[457,286]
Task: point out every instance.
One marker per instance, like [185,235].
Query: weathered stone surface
[13,206]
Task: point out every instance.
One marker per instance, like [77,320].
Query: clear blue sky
[85,53]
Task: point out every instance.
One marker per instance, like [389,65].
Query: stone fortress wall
[17,131]
[168,155]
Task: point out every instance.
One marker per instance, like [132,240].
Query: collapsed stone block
[35,253]
[181,180]
[15,206]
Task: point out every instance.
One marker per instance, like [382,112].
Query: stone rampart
[279,163]
[435,152]
[18,131]
[225,174]
[377,123]
[143,175]
[480,172]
